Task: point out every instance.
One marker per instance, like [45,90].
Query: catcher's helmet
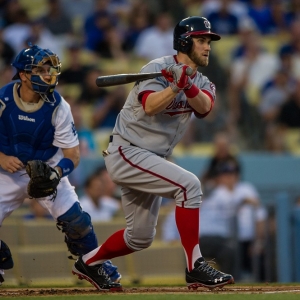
[35,57]
[189,27]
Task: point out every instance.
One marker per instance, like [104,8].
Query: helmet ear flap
[185,43]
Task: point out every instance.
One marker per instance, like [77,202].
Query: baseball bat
[110,80]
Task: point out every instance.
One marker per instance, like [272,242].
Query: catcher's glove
[43,179]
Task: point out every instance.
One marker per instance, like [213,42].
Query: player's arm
[69,162]
[155,102]
[199,101]
[66,138]
[10,164]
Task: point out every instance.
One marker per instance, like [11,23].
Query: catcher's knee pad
[142,238]
[6,261]
[79,233]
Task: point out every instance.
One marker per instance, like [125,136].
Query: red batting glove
[176,74]
[168,75]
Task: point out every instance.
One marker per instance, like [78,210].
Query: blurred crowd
[255,66]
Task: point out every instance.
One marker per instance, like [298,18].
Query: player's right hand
[10,164]
[176,74]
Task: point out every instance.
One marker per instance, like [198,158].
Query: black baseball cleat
[203,275]
[96,275]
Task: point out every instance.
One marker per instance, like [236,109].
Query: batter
[153,120]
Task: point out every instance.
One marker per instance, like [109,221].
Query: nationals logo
[178,108]
[207,24]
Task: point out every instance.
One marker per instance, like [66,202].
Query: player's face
[199,53]
[46,72]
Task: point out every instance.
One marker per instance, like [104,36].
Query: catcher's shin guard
[6,261]
[79,233]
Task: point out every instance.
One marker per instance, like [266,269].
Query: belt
[118,139]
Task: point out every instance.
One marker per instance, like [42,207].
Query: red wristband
[192,92]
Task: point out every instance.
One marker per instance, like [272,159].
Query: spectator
[11,10]
[246,29]
[292,48]
[289,113]
[7,53]
[223,151]
[223,20]
[56,20]
[108,107]
[251,219]
[248,74]
[15,33]
[98,199]
[293,10]
[87,143]
[161,34]
[76,71]
[236,7]
[139,19]
[96,23]
[112,46]
[42,36]
[78,9]
[91,93]
[279,17]
[260,12]
[275,95]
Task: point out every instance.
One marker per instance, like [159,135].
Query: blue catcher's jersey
[26,135]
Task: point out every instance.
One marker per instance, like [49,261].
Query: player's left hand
[43,179]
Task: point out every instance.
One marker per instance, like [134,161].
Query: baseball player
[153,120]
[36,124]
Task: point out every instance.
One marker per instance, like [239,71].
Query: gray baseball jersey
[159,133]
[135,157]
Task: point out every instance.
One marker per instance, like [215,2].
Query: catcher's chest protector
[25,135]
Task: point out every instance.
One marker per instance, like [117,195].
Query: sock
[187,221]
[114,246]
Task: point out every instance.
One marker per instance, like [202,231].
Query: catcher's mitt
[43,179]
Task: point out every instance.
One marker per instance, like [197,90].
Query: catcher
[37,134]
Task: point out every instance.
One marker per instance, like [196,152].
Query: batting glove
[176,74]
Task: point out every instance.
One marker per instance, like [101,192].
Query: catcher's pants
[13,191]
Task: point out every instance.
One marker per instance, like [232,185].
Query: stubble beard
[200,61]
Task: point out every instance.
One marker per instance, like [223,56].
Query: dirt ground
[17,292]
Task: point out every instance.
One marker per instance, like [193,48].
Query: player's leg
[141,170]
[77,227]
[141,212]
[12,194]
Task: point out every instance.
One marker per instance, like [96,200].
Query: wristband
[192,92]
[66,165]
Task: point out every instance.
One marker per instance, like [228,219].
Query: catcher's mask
[188,27]
[44,67]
